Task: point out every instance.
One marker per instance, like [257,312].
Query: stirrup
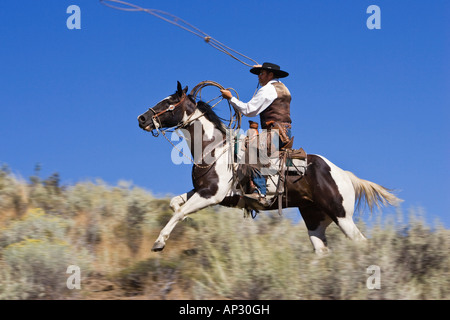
[261,199]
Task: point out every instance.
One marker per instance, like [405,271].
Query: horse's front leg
[178,201]
[193,204]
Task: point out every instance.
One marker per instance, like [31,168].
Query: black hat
[272,68]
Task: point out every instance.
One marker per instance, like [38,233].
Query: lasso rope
[235,117]
[172,19]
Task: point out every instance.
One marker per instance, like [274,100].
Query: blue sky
[375,102]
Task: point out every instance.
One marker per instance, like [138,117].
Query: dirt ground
[100,288]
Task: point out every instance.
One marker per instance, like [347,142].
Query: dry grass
[108,231]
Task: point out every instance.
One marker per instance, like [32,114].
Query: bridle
[157,124]
[155,118]
[234,119]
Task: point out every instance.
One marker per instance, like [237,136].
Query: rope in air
[234,122]
[172,19]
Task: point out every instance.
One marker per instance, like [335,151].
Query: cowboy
[272,104]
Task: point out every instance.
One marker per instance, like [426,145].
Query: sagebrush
[108,232]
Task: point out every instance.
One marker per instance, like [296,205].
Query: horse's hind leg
[350,229]
[316,222]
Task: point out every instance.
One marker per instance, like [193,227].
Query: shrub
[13,192]
[213,254]
[34,225]
[35,253]
[270,259]
[12,287]
[43,265]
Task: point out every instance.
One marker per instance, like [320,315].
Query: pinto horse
[324,194]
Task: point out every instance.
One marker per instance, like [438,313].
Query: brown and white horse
[324,194]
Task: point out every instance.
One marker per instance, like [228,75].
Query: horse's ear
[179,89]
[185,89]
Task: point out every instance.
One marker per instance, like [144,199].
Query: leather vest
[279,110]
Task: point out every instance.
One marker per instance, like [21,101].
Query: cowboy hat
[270,67]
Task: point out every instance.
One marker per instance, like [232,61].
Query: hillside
[107,231]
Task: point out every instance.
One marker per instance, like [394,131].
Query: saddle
[273,164]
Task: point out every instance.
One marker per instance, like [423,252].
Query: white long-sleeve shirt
[262,99]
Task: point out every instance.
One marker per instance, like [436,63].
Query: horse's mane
[211,115]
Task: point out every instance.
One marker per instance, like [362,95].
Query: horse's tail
[374,194]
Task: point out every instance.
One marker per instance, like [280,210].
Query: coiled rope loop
[234,122]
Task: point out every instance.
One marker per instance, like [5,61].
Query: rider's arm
[262,99]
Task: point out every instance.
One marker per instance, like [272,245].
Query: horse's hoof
[158,246]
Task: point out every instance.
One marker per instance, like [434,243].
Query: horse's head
[168,113]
